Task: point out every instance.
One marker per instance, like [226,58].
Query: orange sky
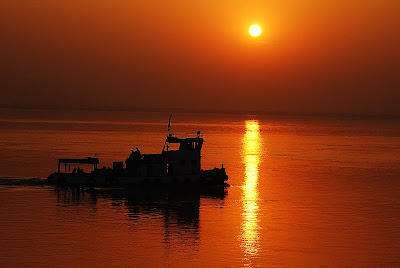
[313,56]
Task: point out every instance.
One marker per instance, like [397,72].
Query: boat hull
[101,180]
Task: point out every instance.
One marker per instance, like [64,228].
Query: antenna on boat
[166,144]
[169,126]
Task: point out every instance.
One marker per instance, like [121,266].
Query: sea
[305,191]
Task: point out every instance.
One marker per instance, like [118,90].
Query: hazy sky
[313,56]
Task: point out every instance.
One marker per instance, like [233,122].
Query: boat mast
[169,126]
[166,144]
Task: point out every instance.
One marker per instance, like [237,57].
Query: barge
[180,167]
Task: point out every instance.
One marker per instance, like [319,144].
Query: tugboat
[170,168]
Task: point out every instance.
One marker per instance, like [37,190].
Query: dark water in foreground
[304,192]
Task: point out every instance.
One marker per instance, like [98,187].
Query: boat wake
[9,181]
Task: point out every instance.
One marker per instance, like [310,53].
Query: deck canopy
[88,161]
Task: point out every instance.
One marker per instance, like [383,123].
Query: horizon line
[197,111]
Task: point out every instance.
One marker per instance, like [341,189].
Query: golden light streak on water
[251,159]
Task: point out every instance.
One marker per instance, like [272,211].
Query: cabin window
[173,147]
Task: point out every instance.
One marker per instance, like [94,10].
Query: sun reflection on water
[251,159]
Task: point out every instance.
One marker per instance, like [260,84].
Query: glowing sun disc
[255,30]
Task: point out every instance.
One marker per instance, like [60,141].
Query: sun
[255,30]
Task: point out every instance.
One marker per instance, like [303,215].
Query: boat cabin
[183,161]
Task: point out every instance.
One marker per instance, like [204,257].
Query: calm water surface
[304,192]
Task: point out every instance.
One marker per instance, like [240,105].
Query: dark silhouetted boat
[180,167]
